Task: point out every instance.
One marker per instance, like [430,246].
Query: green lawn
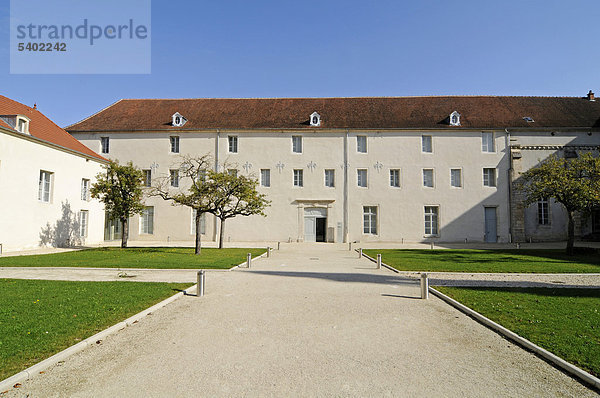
[41,318]
[522,260]
[136,257]
[565,322]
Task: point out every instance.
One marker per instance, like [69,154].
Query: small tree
[233,195]
[574,183]
[120,189]
[193,176]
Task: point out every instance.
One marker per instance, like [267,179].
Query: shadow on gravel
[505,284]
[399,296]
[343,277]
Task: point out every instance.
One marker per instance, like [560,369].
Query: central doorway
[315,224]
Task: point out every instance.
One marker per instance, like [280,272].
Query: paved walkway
[309,321]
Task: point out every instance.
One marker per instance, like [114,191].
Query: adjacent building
[45,179]
[355,169]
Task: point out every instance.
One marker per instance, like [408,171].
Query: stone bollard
[379,261]
[200,292]
[248,260]
[424,286]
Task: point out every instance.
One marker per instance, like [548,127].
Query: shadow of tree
[65,232]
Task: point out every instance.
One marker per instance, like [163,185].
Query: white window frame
[174,140]
[486,178]
[395,176]
[432,178]
[543,206]
[361,144]
[460,176]
[147,177]
[330,178]
[84,217]
[104,144]
[85,189]
[426,144]
[232,143]
[362,178]
[22,124]
[487,140]
[202,223]
[265,178]
[431,220]
[147,221]
[45,186]
[370,220]
[174,178]
[298,178]
[296,144]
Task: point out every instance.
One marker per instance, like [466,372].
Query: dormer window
[455,119]
[315,119]
[22,124]
[178,120]
[528,119]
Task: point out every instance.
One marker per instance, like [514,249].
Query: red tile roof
[354,113]
[43,128]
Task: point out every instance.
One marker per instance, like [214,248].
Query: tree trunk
[198,233]
[124,233]
[570,234]
[221,233]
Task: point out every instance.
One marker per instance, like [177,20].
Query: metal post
[424,286]
[349,245]
[431,245]
[278,243]
[249,259]
[379,261]
[518,245]
[268,252]
[200,292]
[360,253]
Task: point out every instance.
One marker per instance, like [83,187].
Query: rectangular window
[426,144]
[428,178]
[543,212]
[370,220]
[265,177]
[233,143]
[147,177]
[298,178]
[297,144]
[104,144]
[456,178]
[174,178]
[330,178]
[395,178]
[489,177]
[147,221]
[85,189]
[361,143]
[431,220]
[487,142]
[174,144]
[202,223]
[45,186]
[361,177]
[83,223]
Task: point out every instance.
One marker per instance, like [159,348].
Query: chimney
[590,96]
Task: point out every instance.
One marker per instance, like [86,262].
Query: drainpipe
[345,166]
[510,178]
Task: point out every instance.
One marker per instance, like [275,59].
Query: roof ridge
[350,97]
[92,115]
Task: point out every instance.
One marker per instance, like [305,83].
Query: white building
[353,169]
[45,177]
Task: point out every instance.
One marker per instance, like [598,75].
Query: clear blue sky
[338,48]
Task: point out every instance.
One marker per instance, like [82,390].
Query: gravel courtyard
[312,320]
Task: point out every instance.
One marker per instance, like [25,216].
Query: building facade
[352,169]
[45,175]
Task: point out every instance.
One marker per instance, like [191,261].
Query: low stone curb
[559,362]
[28,373]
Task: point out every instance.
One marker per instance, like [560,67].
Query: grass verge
[565,322]
[40,318]
[521,261]
[137,257]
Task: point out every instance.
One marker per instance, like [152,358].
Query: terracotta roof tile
[43,128]
[354,113]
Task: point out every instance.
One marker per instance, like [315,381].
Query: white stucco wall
[400,210]
[23,217]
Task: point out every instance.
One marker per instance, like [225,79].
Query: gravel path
[310,321]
